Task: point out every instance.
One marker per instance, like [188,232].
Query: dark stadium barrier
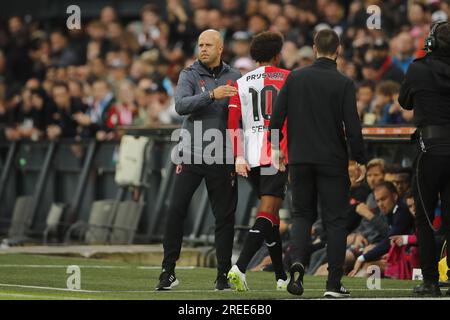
[79,173]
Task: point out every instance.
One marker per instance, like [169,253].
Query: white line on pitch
[45,288]
[87,266]
[24,296]
[171,291]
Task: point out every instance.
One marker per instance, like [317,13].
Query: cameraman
[426,90]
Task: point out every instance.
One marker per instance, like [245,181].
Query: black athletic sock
[253,242]
[274,246]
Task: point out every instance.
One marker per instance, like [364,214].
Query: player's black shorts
[268,184]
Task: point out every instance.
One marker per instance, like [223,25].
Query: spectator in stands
[161,107]
[402,182]
[123,111]
[257,23]
[142,102]
[386,107]
[151,32]
[180,30]
[333,15]
[358,194]
[374,176]
[305,56]
[383,64]
[40,52]
[400,222]
[44,110]
[117,71]
[16,50]
[98,45]
[25,118]
[217,21]
[403,256]
[106,48]
[63,124]
[404,44]
[240,46]
[108,15]
[289,56]
[61,54]
[94,120]
[365,95]
[76,89]
[244,65]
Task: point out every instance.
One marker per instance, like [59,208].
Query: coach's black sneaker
[167,281]
[429,289]
[295,285]
[222,282]
[339,292]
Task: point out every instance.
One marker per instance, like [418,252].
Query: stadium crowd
[118,73]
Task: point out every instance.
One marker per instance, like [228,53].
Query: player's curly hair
[265,46]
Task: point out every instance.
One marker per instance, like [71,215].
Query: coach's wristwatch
[211,95]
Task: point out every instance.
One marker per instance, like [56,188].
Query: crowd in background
[56,82]
[380,227]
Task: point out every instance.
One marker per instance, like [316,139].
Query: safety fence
[65,191]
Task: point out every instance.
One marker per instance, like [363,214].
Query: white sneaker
[237,278]
[282,284]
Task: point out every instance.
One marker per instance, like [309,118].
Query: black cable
[424,150]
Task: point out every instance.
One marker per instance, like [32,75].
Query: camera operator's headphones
[431,41]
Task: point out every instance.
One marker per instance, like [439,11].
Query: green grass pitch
[44,277]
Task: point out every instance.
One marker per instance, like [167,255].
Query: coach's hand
[223,92]
[242,166]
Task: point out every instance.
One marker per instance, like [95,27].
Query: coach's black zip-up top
[320,105]
[192,100]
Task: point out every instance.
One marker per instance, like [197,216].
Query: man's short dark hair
[150,8]
[392,169]
[443,38]
[326,41]
[60,84]
[388,88]
[406,170]
[265,46]
[388,185]
[367,84]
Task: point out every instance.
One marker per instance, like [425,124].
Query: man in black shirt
[426,90]
[320,106]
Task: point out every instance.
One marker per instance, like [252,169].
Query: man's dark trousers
[221,185]
[332,185]
[434,179]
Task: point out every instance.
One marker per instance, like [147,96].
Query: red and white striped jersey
[257,93]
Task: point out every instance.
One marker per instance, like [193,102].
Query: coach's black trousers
[331,184]
[434,182]
[221,185]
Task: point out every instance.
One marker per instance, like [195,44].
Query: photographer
[426,90]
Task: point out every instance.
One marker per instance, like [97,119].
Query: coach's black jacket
[320,105]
